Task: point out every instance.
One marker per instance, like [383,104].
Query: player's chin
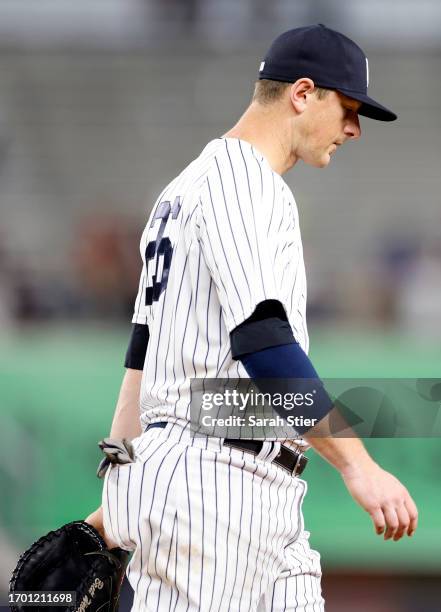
[318,159]
[322,161]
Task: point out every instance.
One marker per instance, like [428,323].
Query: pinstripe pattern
[211,528]
[200,545]
[236,242]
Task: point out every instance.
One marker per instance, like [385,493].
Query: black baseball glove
[73,558]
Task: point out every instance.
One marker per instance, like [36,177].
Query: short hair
[267,91]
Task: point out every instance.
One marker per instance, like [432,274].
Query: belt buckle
[300,464]
[299,457]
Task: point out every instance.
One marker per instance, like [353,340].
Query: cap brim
[369,107]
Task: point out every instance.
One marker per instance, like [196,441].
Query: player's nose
[352,127]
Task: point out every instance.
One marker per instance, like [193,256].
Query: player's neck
[264,130]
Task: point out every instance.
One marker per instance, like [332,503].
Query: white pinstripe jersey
[223,236]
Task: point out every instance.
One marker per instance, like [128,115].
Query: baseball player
[215,524]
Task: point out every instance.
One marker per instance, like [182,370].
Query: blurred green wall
[58,391]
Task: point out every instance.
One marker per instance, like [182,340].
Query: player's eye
[349,111]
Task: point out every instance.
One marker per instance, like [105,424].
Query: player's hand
[387,501]
[96,520]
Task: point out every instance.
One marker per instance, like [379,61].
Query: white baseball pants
[212,529]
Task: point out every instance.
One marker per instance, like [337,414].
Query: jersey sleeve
[234,216]
[267,327]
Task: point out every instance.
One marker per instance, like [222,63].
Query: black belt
[292,460]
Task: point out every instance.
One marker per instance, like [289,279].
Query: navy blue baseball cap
[330,59]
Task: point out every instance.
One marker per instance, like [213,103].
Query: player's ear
[299,92]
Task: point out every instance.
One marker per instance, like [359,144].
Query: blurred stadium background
[103,102]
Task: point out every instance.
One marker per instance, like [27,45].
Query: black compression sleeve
[137,348]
